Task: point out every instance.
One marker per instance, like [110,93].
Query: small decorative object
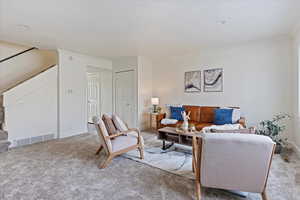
[192,128]
[186,117]
[213,80]
[273,128]
[155,103]
[192,81]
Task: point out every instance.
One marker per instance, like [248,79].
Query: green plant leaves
[273,128]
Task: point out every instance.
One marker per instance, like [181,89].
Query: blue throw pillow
[176,113]
[223,116]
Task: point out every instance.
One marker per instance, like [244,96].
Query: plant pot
[278,148]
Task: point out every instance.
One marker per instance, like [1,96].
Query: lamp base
[155,110]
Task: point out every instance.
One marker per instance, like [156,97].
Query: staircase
[4,144]
[17,65]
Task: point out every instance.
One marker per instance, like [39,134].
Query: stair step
[3,135]
[4,145]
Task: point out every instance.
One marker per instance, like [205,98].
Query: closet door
[125,96]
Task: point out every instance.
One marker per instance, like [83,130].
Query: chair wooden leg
[98,151]
[197,167]
[106,162]
[197,183]
[193,160]
[264,195]
[198,189]
[193,166]
[141,150]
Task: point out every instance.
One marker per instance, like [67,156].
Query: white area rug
[177,159]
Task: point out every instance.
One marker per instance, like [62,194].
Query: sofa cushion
[179,123]
[176,112]
[236,114]
[109,124]
[120,125]
[195,112]
[223,116]
[207,114]
[201,125]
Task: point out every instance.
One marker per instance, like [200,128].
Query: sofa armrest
[159,117]
[242,121]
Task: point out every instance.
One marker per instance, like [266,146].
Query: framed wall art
[192,81]
[213,80]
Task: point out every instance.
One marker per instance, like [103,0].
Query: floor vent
[32,140]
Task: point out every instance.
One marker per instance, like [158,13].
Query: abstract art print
[192,81]
[213,80]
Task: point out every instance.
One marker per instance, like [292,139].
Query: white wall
[31,108]
[296,89]
[257,77]
[125,63]
[144,91]
[106,91]
[72,90]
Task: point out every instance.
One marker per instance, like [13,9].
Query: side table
[153,120]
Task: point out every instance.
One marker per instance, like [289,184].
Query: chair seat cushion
[123,142]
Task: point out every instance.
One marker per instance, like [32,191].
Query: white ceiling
[143,27]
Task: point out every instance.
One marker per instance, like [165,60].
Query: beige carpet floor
[68,169]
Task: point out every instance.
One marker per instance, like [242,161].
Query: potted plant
[274,129]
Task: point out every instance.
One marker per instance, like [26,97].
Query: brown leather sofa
[201,116]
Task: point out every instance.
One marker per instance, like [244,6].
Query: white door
[93,96]
[125,96]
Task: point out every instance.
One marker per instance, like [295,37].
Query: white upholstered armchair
[118,143]
[232,162]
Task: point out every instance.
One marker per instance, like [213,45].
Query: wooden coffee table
[179,137]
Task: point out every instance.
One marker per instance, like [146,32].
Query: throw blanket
[168,121]
[222,127]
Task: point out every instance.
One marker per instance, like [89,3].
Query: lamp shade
[155,101]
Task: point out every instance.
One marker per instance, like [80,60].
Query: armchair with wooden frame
[231,161]
[118,143]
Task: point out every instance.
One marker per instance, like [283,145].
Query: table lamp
[155,103]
